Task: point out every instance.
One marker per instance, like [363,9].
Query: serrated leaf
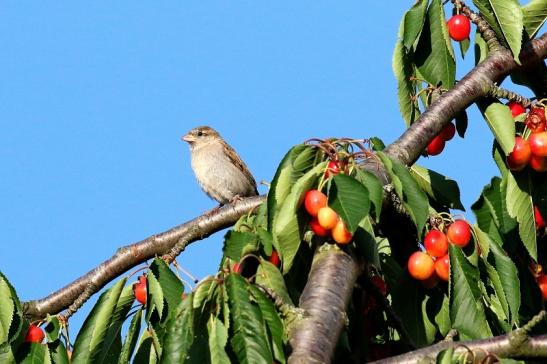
[249,340]
[481,48]
[413,21]
[464,46]
[406,90]
[34,354]
[52,328]
[534,16]
[520,207]
[180,333]
[7,355]
[298,160]
[237,243]
[88,344]
[146,353]
[155,295]
[374,187]
[58,352]
[204,292]
[218,337]
[433,58]
[171,286]
[444,31]
[509,17]
[7,309]
[349,199]
[287,228]
[466,308]
[438,187]
[442,318]
[500,121]
[269,276]
[131,338]
[412,196]
[486,11]
[273,323]
[365,242]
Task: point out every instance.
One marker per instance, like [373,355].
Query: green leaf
[218,337]
[438,187]
[146,352]
[52,328]
[520,207]
[273,323]
[349,199]
[171,286]
[287,228]
[466,308]
[89,342]
[374,187]
[500,121]
[406,89]
[155,295]
[131,338]
[442,318]
[509,16]
[481,48]
[487,13]
[237,243]
[7,309]
[249,340]
[464,46]
[413,22]
[269,276]
[294,165]
[534,16]
[7,355]
[58,352]
[204,292]
[365,242]
[180,333]
[34,354]
[433,58]
[412,196]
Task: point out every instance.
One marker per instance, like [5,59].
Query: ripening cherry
[540,222]
[340,233]
[520,156]
[274,258]
[139,290]
[327,218]
[318,229]
[237,268]
[538,144]
[459,27]
[516,108]
[442,267]
[34,334]
[538,164]
[448,132]
[334,167]
[459,233]
[436,145]
[420,265]
[535,120]
[542,284]
[435,243]
[313,201]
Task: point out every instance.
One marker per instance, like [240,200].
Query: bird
[219,170]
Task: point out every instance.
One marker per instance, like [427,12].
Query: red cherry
[380,284]
[314,200]
[139,290]
[448,132]
[436,145]
[34,334]
[540,223]
[274,258]
[520,156]
[420,265]
[333,168]
[442,267]
[236,268]
[538,144]
[459,233]
[538,164]
[516,108]
[318,229]
[542,283]
[535,120]
[459,27]
[435,243]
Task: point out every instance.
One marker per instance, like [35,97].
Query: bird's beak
[188,138]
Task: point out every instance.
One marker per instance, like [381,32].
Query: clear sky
[95,97]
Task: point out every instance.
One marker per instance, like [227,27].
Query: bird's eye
[200,133]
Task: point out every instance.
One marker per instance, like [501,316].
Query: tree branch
[131,255]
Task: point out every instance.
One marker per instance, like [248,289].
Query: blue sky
[95,97]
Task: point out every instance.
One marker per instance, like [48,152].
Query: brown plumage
[219,170]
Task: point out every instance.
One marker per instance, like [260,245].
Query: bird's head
[201,135]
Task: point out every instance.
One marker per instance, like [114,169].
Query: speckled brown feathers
[219,170]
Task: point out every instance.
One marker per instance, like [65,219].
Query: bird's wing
[235,159]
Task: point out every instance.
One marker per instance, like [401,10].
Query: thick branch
[134,254]
[475,85]
[324,300]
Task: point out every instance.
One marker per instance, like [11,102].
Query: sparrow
[219,170]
